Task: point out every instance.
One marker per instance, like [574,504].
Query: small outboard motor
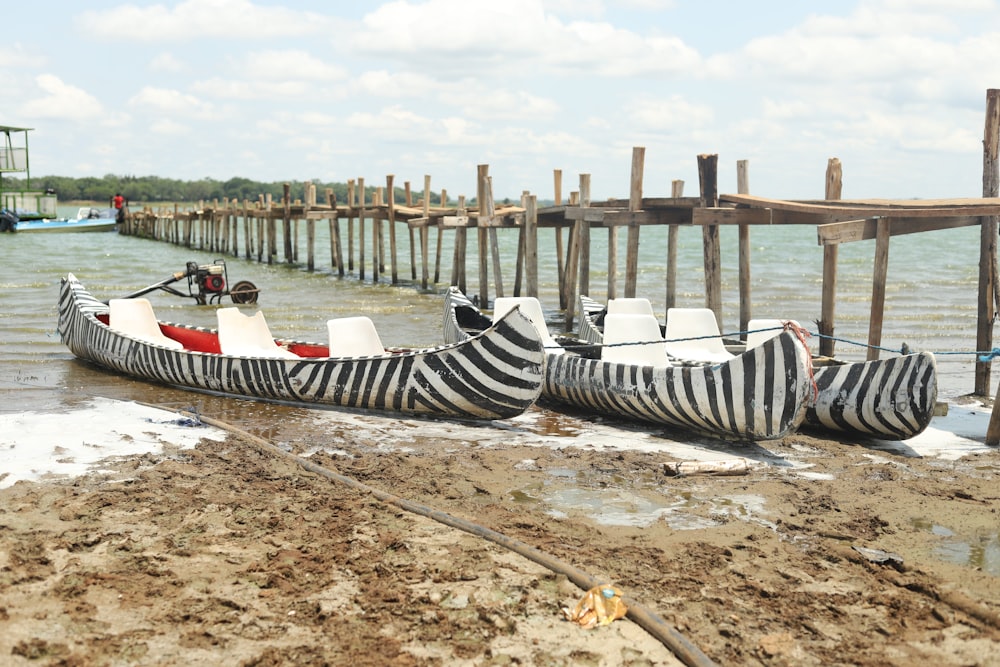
[8,221]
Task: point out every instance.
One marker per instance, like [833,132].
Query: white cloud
[169,127]
[61,100]
[170,101]
[394,123]
[515,37]
[166,62]
[674,114]
[383,83]
[195,19]
[13,55]
[292,65]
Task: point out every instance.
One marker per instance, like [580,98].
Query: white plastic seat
[248,335]
[353,337]
[622,328]
[761,330]
[530,308]
[635,305]
[136,318]
[693,333]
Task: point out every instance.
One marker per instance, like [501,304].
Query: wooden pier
[251,229]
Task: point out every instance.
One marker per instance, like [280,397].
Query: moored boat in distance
[759,395]
[495,375]
[87,219]
[892,398]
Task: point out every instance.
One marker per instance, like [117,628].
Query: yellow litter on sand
[599,606]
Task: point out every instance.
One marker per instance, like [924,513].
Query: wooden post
[987,260]
[392,226]
[676,191]
[408,202]
[286,221]
[584,286]
[377,264]
[878,287]
[424,231]
[834,187]
[461,242]
[272,231]
[443,203]
[481,186]
[336,252]
[743,187]
[988,242]
[567,281]
[247,231]
[361,229]
[531,245]
[708,178]
[351,199]
[492,234]
[634,205]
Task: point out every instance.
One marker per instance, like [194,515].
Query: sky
[279,90]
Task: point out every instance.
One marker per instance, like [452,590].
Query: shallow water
[930,295]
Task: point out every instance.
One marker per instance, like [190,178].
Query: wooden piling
[743,188]
[634,206]
[286,222]
[708,166]
[531,245]
[392,225]
[676,192]
[988,241]
[826,323]
[361,228]
[351,199]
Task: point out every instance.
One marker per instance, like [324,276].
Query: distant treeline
[153,189]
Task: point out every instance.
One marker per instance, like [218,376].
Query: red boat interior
[203,340]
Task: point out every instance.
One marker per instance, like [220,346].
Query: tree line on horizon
[155,189]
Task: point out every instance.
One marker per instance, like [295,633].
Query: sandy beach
[200,545]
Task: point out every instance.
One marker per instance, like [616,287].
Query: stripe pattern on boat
[760,395]
[890,398]
[886,398]
[494,376]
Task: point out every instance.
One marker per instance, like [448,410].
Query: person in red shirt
[119,203]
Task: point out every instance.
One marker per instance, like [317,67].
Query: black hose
[648,620]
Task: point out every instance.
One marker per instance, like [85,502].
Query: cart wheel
[244,292]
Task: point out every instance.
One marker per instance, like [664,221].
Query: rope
[651,622]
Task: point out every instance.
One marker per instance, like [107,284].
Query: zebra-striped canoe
[495,375]
[884,398]
[759,395]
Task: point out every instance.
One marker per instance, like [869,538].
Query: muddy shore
[831,553]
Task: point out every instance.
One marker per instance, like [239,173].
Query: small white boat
[87,219]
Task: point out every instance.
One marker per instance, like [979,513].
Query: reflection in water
[981,551]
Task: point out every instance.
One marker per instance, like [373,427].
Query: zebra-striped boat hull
[885,398]
[496,375]
[759,395]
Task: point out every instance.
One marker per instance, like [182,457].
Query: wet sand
[825,552]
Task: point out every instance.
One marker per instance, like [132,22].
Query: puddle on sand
[618,507]
[981,551]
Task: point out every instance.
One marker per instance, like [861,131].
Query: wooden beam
[887,208]
[863,230]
